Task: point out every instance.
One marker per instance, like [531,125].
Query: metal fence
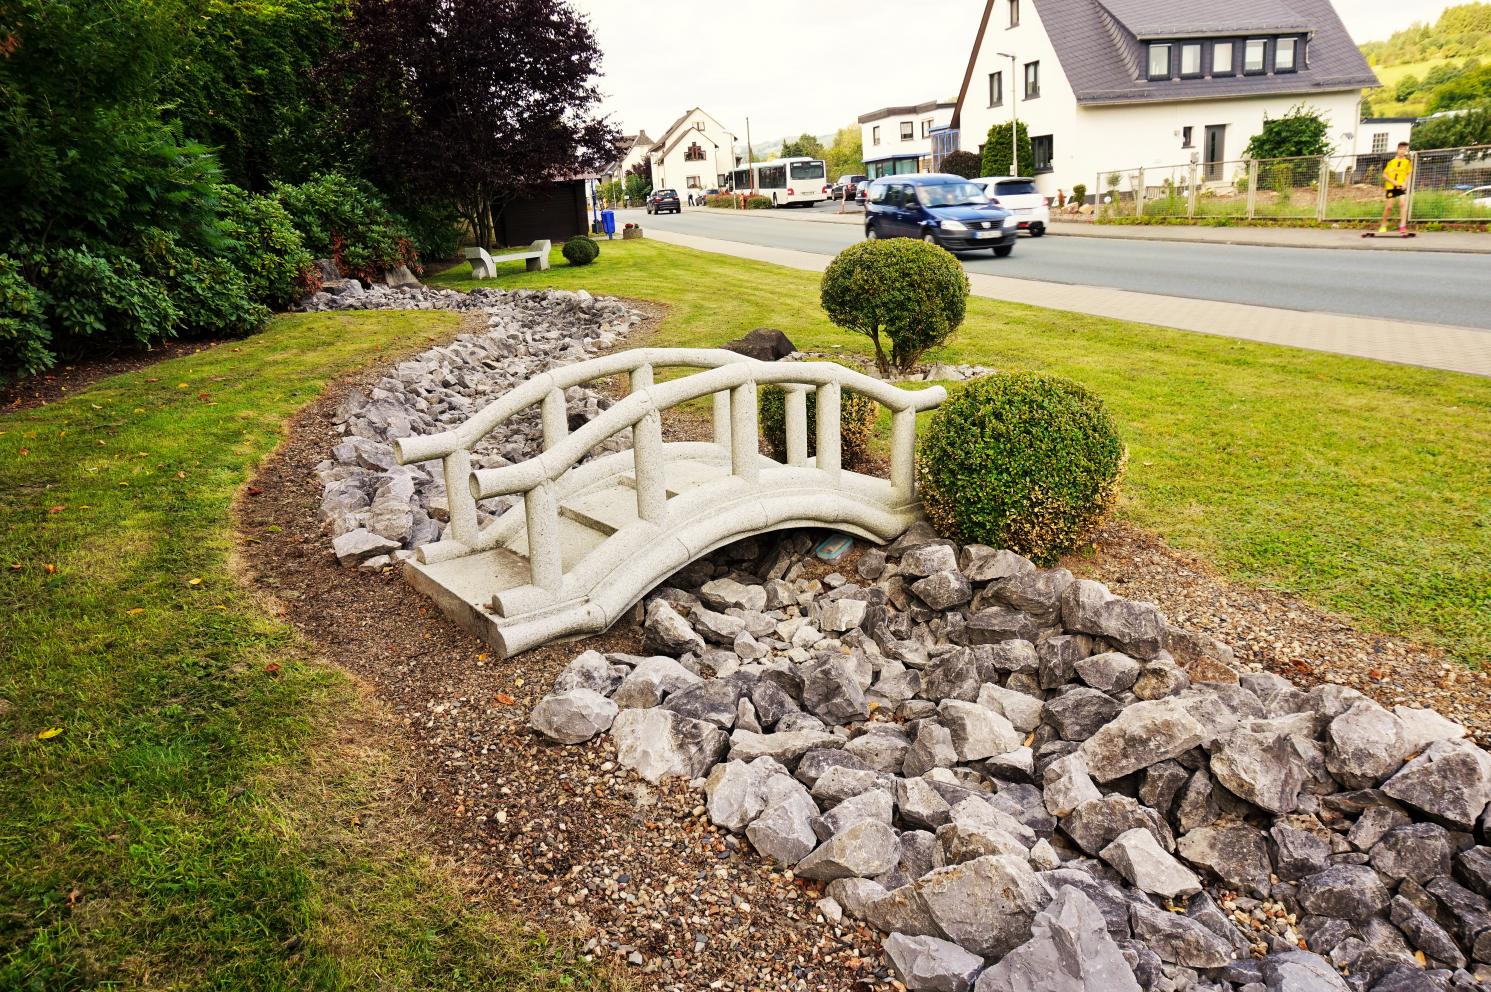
[1449,184]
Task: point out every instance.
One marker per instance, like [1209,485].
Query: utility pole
[1014,119]
[750,157]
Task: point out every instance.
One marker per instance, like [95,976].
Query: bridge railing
[730,379]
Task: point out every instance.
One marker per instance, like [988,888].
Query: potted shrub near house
[631,232]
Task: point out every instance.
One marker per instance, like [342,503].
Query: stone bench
[484,265]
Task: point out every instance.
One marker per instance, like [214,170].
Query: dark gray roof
[1100,44]
[917,108]
[1172,18]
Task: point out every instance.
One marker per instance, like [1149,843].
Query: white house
[898,140]
[1380,135]
[636,146]
[1121,84]
[696,152]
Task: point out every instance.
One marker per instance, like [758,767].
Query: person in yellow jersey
[1395,176]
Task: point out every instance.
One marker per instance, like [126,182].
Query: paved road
[1440,288]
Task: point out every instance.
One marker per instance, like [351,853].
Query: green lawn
[175,813]
[1361,486]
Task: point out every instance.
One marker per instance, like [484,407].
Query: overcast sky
[663,57]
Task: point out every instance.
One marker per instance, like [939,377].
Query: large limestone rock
[658,744]
[1346,892]
[977,731]
[1143,734]
[1069,950]
[864,850]
[1364,746]
[573,717]
[831,691]
[931,964]
[986,905]
[784,830]
[664,630]
[1451,782]
[1263,768]
[1179,939]
[1148,867]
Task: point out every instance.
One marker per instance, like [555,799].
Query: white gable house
[898,140]
[635,150]
[695,153]
[1121,84]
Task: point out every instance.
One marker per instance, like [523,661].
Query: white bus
[785,180]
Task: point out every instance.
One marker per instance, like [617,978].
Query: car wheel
[871,234]
[1003,251]
[1036,230]
[931,239]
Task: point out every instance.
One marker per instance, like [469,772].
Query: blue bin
[608,223]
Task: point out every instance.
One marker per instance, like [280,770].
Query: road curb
[1150,233]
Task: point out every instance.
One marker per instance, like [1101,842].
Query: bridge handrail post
[648,460]
[796,424]
[460,504]
[541,513]
[722,418]
[903,453]
[826,414]
[745,454]
[555,415]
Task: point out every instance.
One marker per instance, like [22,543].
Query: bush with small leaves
[25,339]
[960,163]
[759,202]
[1020,460]
[580,250]
[912,292]
[857,416]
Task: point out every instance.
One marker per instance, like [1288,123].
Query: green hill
[1427,68]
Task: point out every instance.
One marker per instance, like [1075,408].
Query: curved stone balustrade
[591,538]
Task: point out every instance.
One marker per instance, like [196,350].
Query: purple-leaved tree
[474,101]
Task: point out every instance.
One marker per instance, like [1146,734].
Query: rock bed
[376,511]
[1011,774]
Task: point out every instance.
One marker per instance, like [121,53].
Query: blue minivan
[944,209]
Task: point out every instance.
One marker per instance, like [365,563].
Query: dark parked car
[664,201]
[848,186]
[944,209]
[696,197]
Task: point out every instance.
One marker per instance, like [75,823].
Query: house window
[1159,61]
[1185,137]
[875,135]
[1221,59]
[927,127]
[693,153]
[692,182]
[908,130]
[1043,150]
[1253,56]
[1284,55]
[996,88]
[698,125]
[1379,143]
[1190,60]
[1032,80]
[1014,13]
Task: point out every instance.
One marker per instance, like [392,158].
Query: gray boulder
[1036,592]
[664,630]
[713,700]
[1450,782]
[1095,824]
[1300,971]
[659,744]
[1138,628]
[1364,746]
[1078,714]
[1148,867]
[864,850]
[1141,735]
[831,691]
[1021,710]
[784,746]
[1424,933]
[977,731]
[1179,940]
[573,717]
[357,546]
[722,594]
[784,830]
[1110,672]
[589,670]
[1347,892]
[984,564]
[1419,851]
[843,615]
[933,748]
[651,680]
[1233,852]
[1264,769]
[929,559]
[943,590]
[930,963]
[987,905]
[1068,784]
[1069,950]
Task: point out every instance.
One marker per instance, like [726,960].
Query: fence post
[795,423]
[903,454]
[828,456]
[1097,198]
[744,455]
[722,419]
[1139,195]
[1325,188]
[1195,190]
[1252,186]
[1413,181]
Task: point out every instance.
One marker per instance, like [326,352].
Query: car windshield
[807,170]
[951,195]
[1014,187]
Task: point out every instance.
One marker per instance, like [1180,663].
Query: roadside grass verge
[189,797]
[1362,487]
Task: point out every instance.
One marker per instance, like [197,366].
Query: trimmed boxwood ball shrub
[856,424]
[912,292]
[580,250]
[1020,460]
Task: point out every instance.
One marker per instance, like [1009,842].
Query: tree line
[174,167]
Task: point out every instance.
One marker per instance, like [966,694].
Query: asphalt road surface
[1434,288]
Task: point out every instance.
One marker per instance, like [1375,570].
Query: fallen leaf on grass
[48,734]
[194,582]
[505,699]
[136,611]
[49,568]
[56,509]
[254,490]
[24,452]
[273,668]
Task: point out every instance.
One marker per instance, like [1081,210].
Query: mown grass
[189,798]
[1361,486]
